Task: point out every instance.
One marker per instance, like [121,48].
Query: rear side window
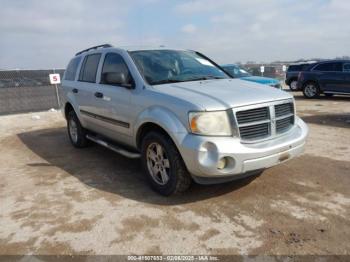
[89,69]
[329,67]
[346,67]
[293,68]
[72,69]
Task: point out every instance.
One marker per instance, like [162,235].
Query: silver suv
[180,113]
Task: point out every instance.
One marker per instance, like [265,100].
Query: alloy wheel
[310,90]
[73,130]
[158,163]
[294,85]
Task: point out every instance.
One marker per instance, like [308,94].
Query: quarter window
[89,69]
[114,63]
[72,69]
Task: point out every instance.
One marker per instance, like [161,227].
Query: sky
[36,34]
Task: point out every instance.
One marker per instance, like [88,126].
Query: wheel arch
[290,80]
[67,108]
[161,120]
[309,81]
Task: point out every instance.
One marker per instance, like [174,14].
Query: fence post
[57,94]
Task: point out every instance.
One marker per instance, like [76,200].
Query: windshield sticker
[204,62]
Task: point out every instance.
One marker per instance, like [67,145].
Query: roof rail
[94,47]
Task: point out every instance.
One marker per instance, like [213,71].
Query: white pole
[57,95]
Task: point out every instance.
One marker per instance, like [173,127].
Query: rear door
[86,88]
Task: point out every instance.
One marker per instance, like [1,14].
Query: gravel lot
[55,199]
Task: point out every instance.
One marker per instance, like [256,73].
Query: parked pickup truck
[180,113]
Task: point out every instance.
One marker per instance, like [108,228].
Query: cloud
[189,28]
[41,34]
[272,30]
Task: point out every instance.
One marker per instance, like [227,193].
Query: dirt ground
[55,199]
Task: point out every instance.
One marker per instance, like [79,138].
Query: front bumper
[201,154]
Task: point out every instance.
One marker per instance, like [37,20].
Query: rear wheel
[76,133]
[163,164]
[311,90]
[293,85]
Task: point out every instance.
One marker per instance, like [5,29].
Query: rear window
[89,69]
[72,69]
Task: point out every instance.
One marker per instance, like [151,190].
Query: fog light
[222,163]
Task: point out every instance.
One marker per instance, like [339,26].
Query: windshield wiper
[169,81]
[205,78]
[165,81]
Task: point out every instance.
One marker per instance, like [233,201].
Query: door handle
[75,90]
[98,95]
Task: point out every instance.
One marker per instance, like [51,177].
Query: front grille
[284,124]
[284,109]
[252,115]
[255,131]
[264,122]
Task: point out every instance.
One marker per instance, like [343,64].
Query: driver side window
[114,63]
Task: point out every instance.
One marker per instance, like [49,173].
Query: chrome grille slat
[284,109]
[258,131]
[262,122]
[285,124]
[252,115]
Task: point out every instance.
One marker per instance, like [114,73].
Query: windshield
[171,66]
[236,71]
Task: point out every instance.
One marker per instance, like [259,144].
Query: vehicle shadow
[334,120]
[105,170]
[300,96]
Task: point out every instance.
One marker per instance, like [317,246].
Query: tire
[163,164]
[293,85]
[76,133]
[311,90]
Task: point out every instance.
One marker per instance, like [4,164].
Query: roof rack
[94,47]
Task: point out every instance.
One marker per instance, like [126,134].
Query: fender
[164,118]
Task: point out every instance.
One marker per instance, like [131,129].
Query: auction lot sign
[55,79]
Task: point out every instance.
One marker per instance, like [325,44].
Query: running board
[113,147]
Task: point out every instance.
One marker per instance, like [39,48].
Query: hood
[221,94]
[261,80]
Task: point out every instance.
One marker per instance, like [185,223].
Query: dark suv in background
[292,74]
[326,77]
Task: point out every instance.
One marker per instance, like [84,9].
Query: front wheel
[293,85]
[163,164]
[311,90]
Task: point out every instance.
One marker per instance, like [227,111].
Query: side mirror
[117,78]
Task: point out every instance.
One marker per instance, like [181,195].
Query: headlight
[215,123]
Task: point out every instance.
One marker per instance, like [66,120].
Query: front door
[113,100]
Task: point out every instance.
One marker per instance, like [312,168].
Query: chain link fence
[27,91]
